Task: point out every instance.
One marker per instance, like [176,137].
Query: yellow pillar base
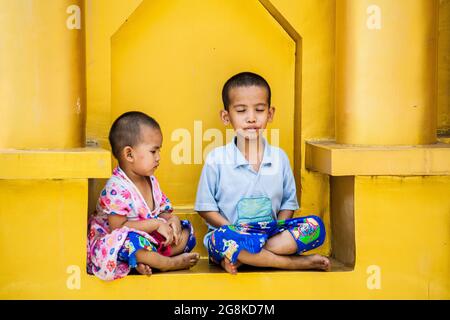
[55,164]
[336,159]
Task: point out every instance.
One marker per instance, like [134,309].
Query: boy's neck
[252,150]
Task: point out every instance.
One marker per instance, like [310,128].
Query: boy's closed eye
[260,107]
[243,109]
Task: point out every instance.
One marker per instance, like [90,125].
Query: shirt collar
[237,159]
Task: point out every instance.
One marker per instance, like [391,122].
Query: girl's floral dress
[105,249]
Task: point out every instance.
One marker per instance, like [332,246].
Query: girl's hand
[167,232]
[175,224]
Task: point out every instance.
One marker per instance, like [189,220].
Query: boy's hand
[167,232]
[175,224]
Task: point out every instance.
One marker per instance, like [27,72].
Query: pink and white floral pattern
[119,196]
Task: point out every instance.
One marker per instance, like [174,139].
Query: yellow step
[206,267]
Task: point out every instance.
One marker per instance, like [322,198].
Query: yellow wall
[444,68]
[42,234]
[402,226]
[174,68]
[103,18]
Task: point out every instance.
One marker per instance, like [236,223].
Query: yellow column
[42,82]
[386,73]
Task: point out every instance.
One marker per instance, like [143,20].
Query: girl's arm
[175,223]
[172,219]
[285,214]
[117,221]
[167,216]
[214,218]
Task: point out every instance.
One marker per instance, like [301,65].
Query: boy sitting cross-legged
[247,192]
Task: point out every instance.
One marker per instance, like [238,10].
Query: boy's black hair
[126,130]
[244,79]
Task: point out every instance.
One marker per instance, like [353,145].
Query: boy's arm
[205,202]
[214,218]
[285,214]
[289,203]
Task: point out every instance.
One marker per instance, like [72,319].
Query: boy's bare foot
[228,266]
[182,261]
[144,269]
[316,262]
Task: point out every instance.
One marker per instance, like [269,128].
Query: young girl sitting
[133,226]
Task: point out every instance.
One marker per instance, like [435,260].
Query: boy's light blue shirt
[227,177]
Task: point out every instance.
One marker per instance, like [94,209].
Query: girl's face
[146,155]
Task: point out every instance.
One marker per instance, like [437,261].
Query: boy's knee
[282,243]
[312,234]
[317,220]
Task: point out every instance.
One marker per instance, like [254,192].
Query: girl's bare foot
[316,262]
[182,261]
[144,269]
[193,259]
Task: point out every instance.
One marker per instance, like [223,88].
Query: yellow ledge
[348,160]
[55,164]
